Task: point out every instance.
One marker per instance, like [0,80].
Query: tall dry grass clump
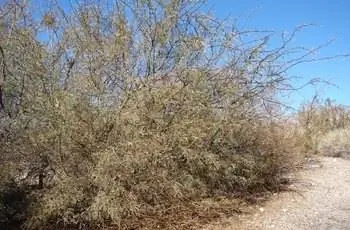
[323,123]
[335,143]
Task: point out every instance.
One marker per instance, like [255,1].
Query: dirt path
[322,203]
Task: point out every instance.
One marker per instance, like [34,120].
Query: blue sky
[331,20]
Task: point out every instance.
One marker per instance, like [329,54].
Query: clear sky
[332,21]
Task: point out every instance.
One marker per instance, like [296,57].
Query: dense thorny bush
[112,114]
[167,146]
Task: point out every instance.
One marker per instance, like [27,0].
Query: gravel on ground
[320,201]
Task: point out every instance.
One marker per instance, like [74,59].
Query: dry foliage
[320,122]
[335,143]
[137,114]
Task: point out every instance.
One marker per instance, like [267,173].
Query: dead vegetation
[318,118]
[137,115]
[326,127]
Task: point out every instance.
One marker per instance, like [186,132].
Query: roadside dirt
[321,201]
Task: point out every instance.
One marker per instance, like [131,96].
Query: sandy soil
[322,202]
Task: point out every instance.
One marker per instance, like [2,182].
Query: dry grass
[335,143]
[321,123]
